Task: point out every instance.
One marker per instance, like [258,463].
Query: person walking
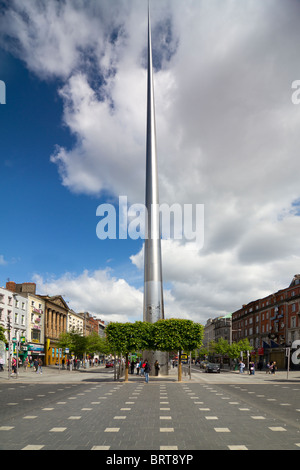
[242,367]
[156,365]
[147,369]
[40,363]
[274,367]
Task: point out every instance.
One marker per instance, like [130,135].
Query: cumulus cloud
[97,292]
[2,260]
[227,131]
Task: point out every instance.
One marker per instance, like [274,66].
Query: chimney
[10,285]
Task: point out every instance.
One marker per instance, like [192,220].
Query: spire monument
[153,282]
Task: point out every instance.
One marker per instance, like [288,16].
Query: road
[92,412]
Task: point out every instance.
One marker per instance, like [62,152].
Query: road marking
[33,447]
[222,429]
[277,428]
[237,447]
[6,428]
[100,448]
[168,448]
[112,430]
[166,429]
[57,429]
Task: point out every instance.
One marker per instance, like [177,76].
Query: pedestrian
[137,368]
[147,369]
[132,367]
[25,364]
[251,368]
[40,363]
[14,365]
[157,367]
[142,365]
[1,364]
[274,368]
[242,367]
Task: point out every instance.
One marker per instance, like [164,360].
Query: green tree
[125,338]
[74,341]
[235,349]
[177,335]
[2,334]
[96,344]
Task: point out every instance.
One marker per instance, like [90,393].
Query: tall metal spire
[153,283]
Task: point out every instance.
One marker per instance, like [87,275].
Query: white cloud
[228,133]
[2,260]
[97,292]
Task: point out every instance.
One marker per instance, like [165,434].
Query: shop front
[35,351]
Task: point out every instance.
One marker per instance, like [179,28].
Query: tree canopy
[164,335]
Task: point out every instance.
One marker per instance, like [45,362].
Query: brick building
[271,324]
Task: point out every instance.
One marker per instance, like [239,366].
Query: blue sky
[73,136]
[46,228]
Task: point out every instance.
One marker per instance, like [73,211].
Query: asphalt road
[92,412]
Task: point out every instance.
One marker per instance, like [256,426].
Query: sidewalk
[54,374]
[101,374]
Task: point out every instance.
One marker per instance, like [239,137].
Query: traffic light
[7,346]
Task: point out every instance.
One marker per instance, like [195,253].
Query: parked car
[211,367]
[109,364]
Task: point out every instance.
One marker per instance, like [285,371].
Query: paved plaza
[88,410]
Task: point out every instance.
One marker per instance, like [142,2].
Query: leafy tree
[125,338]
[2,334]
[179,335]
[96,344]
[74,341]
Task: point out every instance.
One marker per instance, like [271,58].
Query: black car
[211,367]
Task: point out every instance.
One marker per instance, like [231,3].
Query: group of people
[143,368]
[251,367]
[271,367]
[35,364]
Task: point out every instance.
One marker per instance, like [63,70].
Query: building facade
[271,324]
[13,318]
[56,314]
[34,323]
